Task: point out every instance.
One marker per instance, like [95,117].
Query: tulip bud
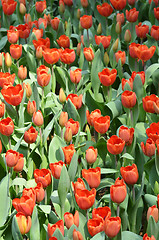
[65,25]
[115,45]
[84,3]
[91,155]
[62,8]
[78,50]
[27,18]
[99,29]
[78,13]
[24,222]
[22,72]
[2,109]
[31,107]
[1,58]
[63,119]
[39,52]
[22,9]
[28,90]
[68,134]
[106,59]
[127,36]
[8,60]
[118,28]
[38,119]
[156,106]
[153,211]
[62,96]
[156,188]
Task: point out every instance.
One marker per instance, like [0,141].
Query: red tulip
[118,191]
[6,126]
[44,43]
[148,103]
[40,192]
[9,6]
[91,155]
[74,125]
[78,185]
[38,32]
[153,131]
[153,211]
[118,4]
[70,219]
[129,81]
[115,145]
[149,148]
[104,40]
[86,21]
[31,107]
[51,56]
[55,23]
[24,205]
[30,135]
[12,36]
[68,153]
[107,77]
[128,99]
[144,53]
[105,9]
[130,174]
[156,13]
[20,164]
[126,134]
[132,15]
[59,225]
[75,99]
[23,30]
[141,74]
[91,116]
[63,41]
[101,212]
[38,119]
[112,226]
[141,30]
[11,158]
[84,198]
[89,54]
[13,95]
[75,76]
[63,119]
[56,169]
[2,109]
[40,6]
[120,55]
[67,56]
[95,226]
[77,235]
[6,78]
[24,222]
[120,18]
[16,51]
[43,176]
[102,124]
[155,32]
[92,176]
[30,192]
[146,237]
[43,77]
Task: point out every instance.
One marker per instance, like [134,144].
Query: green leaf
[3,42]
[102,148]
[108,171]
[150,199]
[55,144]
[105,182]
[150,70]
[99,236]
[31,62]
[15,230]
[157,162]
[115,108]
[58,234]
[130,235]
[138,88]
[21,111]
[97,66]
[19,181]
[152,228]
[127,155]
[35,96]
[4,200]
[35,226]
[70,231]
[45,208]
[64,185]
[73,167]
[72,111]
[140,132]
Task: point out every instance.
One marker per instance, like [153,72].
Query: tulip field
[79,120]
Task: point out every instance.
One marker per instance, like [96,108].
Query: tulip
[153,211]
[99,29]
[62,96]
[67,56]
[120,55]
[9,7]
[24,222]
[112,226]
[68,153]
[105,9]
[84,198]
[38,32]
[68,2]
[141,30]
[107,77]
[95,226]
[22,9]
[86,21]
[13,95]
[78,50]
[16,51]
[128,99]
[40,192]
[22,72]
[102,124]
[126,134]
[8,60]
[118,191]
[84,3]
[127,36]
[91,116]
[130,174]
[59,225]
[91,155]
[146,237]
[141,74]
[12,36]
[118,27]
[30,192]
[78,185]
[131,2]
[11,158]
[2,55]
[63,119]
[70,219]
[101,212]
[74,125]
[55,23]
[51,56]
[156,13]
[43,77]
[118,4]
[132,15]
[155,32]
[75,76]
[115,45]
[56,169]
[92,176]
[75,99]
[20,164]
[44,43]
[115,145]
[24,205]
[148,103]
[0,146]
[89,54]
[144,53]
[77,235]
[42,21]
[104,40]
[63,41]
[106,59]
[30,135]
[129,81]
[43,176]
[68,134]
[39,52]
[153,131]
[27,89]
[6,126]
[120,18]
[38,119]
[2,109]
[31,107]
[40,6]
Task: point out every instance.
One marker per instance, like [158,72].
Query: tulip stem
[53,80]
[41,138]
[17,112]
[9,140]
[88,37]
[106,26]
[28,151]
[133,193]
[87,215]
[61,133]
[118,210]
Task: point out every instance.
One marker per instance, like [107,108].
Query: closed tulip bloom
[70,219]
[148,103]
[155,32]
[30,135]
[77,235]
[55,23]
[156,106]
[11,158]
[51,55]
[95,226]
[105,9]
[91,155]
[84,3]
[39,192]
[146,237]
[9,6]
[74,125]
[20,164]
[141,74]
[131,2]
[38,32]
[153,211]
[63,41]
[31,107]
[42,21]
[6,126]
[102,124]
[112,226]
[68,134]
[128,99]
[127,134]
[101,212]
[141,30]
[79,184]
[8,60]
[2,109]
[127,36]
[149,148]
[59,225]
[43,176]
[12,36]
[56,169]
[28,89]
[68,2]
[75,76]
[75,99]
[39,52]
[107,77]
[120,55]
[118,191]
[153,131]
[118,4]
[104,40]
[63,119]
[22,72]
[132,15]
[133,50]
[86,21]
[91,116]
[40,6]
[120,18]
[43,77]
[38,119]
[68,153]
[16,51]
[84,198]
[30,192]
[130,174]
[67,56]
[89,54]
[22,9]
[92,176]
[156,13]
[2,56]
[24,205]
[129,81]
[44,43]
[115,145]
[24,222]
